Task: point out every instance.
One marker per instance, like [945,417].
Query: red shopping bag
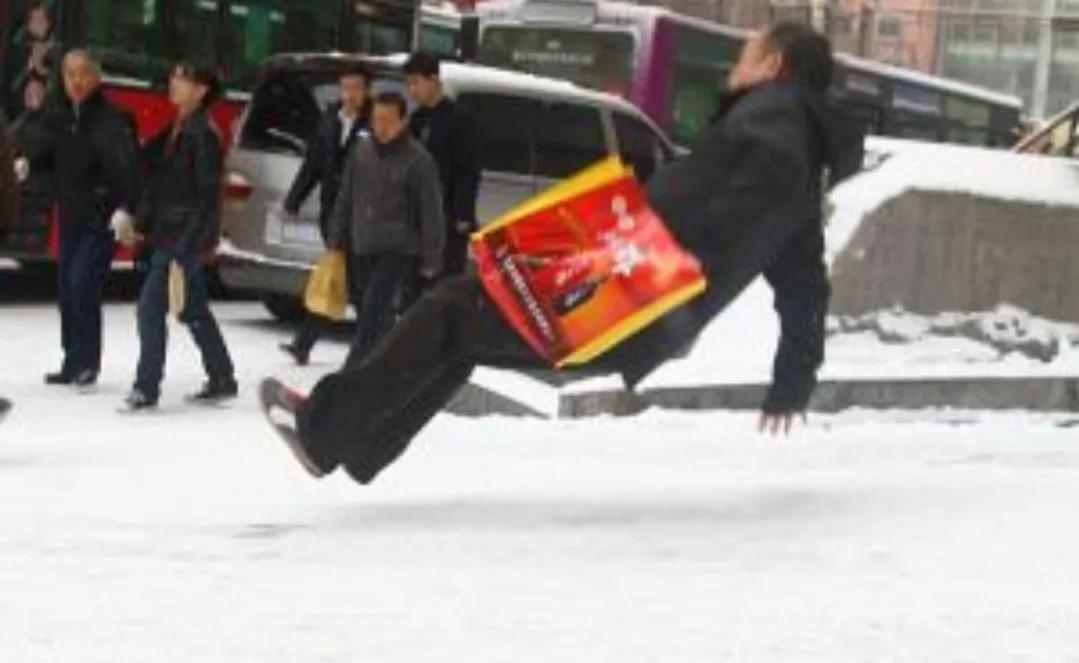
[585,265]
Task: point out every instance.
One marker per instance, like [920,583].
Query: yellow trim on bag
[634,323]
[609,170]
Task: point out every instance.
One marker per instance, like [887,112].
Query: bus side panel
[656,74]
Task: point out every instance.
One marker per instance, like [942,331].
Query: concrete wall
[931,252]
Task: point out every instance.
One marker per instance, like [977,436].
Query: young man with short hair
[448,131]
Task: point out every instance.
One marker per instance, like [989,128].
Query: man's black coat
[747,202]
[96,163]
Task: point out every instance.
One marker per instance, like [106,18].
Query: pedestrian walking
[94,154]
[388,217]
[746,202]
[323,165]
[179,218]
[448,131]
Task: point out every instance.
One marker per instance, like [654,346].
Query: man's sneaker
[59,378]
[299,356]
[215,391]
[275,397]
[85,379]
[138,401]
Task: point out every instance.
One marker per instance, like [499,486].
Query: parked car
[535,131]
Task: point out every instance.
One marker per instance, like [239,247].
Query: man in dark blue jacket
[323,166]
[94,156]
[746,202]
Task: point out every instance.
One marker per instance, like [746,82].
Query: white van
[534,131]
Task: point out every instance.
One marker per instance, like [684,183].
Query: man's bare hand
[779,423]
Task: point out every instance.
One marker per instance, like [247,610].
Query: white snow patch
[193,536]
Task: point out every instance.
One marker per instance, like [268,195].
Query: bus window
[258,29]
[508,132]
[600,59]
[702,63]
[639,145]
[569,137]
[968,121]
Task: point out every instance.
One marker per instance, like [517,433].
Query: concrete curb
[1041,394]
[1051,394]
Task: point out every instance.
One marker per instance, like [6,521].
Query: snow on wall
[912,165]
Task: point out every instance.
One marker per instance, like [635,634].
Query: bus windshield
[601,60]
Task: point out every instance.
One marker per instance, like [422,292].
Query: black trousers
[376,281]
[365,416]
[84,262]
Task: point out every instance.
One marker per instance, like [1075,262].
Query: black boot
[138,401]
[215,391]
[59,378]
[298,354]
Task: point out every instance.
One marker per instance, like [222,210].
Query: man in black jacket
[746,202]
[95,170]
[179,217]
[323,166]
[448,131]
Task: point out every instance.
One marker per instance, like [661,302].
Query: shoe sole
[268,402]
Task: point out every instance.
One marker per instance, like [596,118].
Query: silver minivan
[534,131]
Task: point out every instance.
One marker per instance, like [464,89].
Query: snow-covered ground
[192,536]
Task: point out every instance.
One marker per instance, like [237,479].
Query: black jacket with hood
[748,202]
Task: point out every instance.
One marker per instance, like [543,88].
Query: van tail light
[238,187]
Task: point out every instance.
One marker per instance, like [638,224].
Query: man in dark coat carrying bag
[746,202]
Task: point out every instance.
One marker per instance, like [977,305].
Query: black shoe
[298,355]
[138,401]
[275,397]
[215,391]
[85,379]
[59,378]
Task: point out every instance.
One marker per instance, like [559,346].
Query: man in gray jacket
[388,217]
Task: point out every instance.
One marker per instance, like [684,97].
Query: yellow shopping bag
[327,287]
[177,289]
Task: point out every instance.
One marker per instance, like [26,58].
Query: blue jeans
[84,261]
[153,330]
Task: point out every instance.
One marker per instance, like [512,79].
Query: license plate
[282,230]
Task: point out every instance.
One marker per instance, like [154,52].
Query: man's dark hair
[359,70]
[393,99]
[422,64]
[806,53]
[204,74]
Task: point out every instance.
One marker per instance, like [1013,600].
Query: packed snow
[191,535]
[905,165]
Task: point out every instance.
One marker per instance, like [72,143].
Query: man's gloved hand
[776,423]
